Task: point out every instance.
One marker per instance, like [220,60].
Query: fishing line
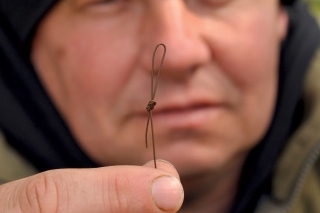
[152,103]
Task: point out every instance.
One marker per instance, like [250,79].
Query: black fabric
[287,2]
[28,119]
[296,54]
[34,127]
[22,18]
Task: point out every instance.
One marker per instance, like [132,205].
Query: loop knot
[151,105]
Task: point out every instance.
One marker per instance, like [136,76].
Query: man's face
[216,92]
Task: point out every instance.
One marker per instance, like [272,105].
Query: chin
[194,159]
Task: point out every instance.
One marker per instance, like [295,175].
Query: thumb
[113,189]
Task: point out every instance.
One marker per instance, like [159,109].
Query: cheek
[96,72]
[91,74]
[248,55]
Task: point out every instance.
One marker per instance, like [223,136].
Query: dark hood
[22,17]
[28,118]
[33,126]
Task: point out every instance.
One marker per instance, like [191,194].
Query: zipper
[311,160]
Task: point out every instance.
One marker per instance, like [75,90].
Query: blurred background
[315,8]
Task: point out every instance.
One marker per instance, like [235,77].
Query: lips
[181,109]
[188,103]
[185,112]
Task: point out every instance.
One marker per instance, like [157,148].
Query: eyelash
[108,1]
[109,6]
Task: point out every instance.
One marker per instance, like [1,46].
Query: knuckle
[118,193]
[40,194]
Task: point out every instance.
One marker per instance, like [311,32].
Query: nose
[175,25]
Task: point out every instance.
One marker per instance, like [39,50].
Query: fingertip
[167,193]
[164,166]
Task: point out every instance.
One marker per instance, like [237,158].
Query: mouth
[174,110]
[184,115]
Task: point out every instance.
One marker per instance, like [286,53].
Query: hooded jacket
[36,134]
[295,181]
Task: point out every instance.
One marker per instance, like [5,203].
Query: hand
[114,189]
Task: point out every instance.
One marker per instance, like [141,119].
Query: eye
[207,6]
[104,6]
[216,2]
[97,2]
[107,1]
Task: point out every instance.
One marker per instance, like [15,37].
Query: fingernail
[167,193]
[161,160]
[167,162]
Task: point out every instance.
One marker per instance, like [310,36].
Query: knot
[151,105]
